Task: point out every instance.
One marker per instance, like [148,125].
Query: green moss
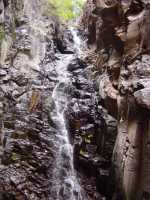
[15,156]
[82,153]
[2,33]
[88,138]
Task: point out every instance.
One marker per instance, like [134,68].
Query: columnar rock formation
[118,34]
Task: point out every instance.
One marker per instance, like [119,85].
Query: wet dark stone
[6,196]
[61,46]
[30,146]
[3,72]
[68,52]
[85,165]
[105,182]
[146,196]
[6,3]
[102,181]
[20,80]
[76,64]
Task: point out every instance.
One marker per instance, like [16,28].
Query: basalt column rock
[122,64]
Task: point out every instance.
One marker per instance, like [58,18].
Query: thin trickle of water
[77,41]
[65,183]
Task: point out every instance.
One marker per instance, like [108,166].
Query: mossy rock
[15,156]
[83,153]
[88,138]
[2,33]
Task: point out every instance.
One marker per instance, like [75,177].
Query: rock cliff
[34,48]
[37,51]
[118,36]
[30,37]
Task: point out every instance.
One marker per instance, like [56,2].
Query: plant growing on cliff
[67,9]
[2,33]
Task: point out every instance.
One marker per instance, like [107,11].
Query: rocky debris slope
[29,41]
[118,34]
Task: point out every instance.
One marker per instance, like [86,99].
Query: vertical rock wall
[29,39]
[119,32]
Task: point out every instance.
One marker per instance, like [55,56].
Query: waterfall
[76,40]
[65,183]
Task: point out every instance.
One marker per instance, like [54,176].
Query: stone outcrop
[92,132]
[27,77]
[32,42]
[118,35]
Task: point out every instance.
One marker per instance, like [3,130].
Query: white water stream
[65,181]
[65,185]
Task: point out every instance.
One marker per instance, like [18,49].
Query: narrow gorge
[74,100]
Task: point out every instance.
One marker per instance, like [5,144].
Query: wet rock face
[30,50]
[121,58]
[1,11]
[90,132]
[27,78]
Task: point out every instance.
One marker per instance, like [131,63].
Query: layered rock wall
[119,32]
[29,39]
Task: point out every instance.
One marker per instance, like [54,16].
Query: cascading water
[77,41]
[65,183]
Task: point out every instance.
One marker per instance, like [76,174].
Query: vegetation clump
[2,33]
[67,9]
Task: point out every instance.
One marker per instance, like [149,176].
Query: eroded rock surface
[31,166]
[27,78]
[118,35]
[88,130]
[118,39]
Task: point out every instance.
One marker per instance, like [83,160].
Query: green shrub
[67,9]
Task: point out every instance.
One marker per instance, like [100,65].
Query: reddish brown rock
[122,62]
